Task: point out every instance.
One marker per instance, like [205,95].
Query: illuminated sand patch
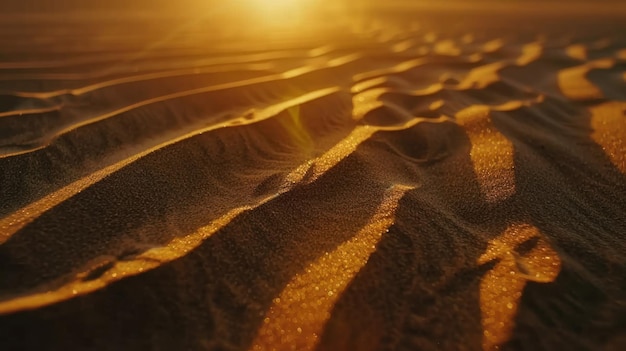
[491,154]
[297,316]
[522,255]
[574,84]
[609,131]
[577,51]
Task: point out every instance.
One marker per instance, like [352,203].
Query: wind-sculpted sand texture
[409,180]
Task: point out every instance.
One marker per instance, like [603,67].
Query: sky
[115,5]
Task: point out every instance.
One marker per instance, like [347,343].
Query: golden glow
[297,131]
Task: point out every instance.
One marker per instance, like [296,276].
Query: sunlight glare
[280,12]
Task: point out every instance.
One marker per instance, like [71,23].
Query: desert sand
[406,177]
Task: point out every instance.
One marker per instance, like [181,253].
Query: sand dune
[404,180]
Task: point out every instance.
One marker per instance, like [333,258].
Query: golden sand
[313,176]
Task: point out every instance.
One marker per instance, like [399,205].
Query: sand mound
[391,182]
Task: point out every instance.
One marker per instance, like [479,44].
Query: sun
[280,11]
[277,5]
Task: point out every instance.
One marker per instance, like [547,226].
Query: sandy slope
[425,180]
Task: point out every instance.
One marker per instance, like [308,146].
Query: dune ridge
[390,183]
